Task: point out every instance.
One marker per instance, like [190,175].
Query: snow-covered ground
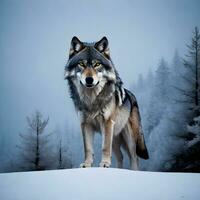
[99,183]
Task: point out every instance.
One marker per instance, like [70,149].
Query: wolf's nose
[89,80]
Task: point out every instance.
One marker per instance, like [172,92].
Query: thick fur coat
[103,104]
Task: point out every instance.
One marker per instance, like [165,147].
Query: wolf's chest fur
[105,109]
[95,101]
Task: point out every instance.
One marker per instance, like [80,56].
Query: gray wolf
[103,104]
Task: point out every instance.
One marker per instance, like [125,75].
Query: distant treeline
[169,99]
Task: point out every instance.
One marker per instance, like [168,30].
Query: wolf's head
[89,64]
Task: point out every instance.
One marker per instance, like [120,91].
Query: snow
[99,183]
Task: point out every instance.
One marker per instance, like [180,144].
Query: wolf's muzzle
[89,80]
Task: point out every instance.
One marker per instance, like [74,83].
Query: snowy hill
[99,183]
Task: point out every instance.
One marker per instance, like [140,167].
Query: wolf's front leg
[107,133]
[88,137]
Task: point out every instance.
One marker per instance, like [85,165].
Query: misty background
[34,43]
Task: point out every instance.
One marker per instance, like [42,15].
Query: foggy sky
[35,38]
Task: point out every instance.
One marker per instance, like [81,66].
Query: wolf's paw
[104,164]
[84,165]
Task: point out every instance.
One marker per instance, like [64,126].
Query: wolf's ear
[102,47]
[76,46]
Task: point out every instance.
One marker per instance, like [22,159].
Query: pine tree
[35,152]
[64,160]
[177,81]
[188,158]
[159,96]
[191,76]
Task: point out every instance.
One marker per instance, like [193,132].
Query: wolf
[103,104]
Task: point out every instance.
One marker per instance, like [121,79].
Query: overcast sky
[35,38]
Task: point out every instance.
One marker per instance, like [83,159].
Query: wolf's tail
[141,148]
[135,120]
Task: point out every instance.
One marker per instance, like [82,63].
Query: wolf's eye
[97,64]
[98,67]
[81,64]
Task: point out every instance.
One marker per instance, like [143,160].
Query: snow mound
[99,183]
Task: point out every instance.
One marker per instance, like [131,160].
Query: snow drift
[98,183]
